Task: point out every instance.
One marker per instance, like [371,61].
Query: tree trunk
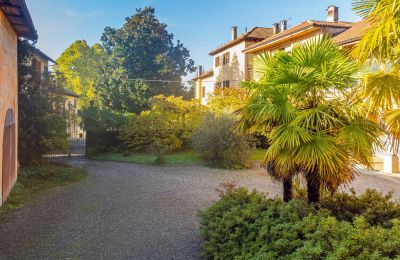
[287,189]
[313,188]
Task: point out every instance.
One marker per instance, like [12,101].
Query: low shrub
[246,225]
[375,207]
[220,145]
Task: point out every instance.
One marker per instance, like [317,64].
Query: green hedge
[244,225]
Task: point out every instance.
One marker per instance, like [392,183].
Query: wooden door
[9,173]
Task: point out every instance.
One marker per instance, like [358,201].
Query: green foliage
[141,49]
[376,208]
[78,67]
[381,39]
[103,119]
[42,122]
[220,144]
[227,100]
[245,225]
[301,99]
[178,158]
[166,127]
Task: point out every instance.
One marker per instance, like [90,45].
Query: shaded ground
[129,211]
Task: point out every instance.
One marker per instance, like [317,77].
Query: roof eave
[255,48]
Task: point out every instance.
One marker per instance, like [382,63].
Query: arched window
[9,171]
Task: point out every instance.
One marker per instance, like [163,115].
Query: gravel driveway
[127,211]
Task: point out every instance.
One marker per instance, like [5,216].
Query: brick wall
[8,79]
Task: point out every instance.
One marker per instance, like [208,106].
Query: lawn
[258,155]
[179,158]
[37,179]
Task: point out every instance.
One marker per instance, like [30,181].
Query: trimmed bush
[220,145]
[246,225]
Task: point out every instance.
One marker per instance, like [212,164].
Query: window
[225,58]
[217,85]
[225,84]
[37,70]
[203,92]
[217,61]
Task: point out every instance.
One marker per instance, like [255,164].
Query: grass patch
[37,179]
[179,158]
[258,154]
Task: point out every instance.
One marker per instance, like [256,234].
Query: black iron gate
[76,146]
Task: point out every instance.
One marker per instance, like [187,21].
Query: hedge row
[246,225]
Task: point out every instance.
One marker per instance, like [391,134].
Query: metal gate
[76,146]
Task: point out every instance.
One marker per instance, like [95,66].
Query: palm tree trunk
[287,189]
[313,188]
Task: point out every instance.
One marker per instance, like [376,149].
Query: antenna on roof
[245,29]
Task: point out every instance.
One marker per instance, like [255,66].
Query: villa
[231,61]
[230,64]
[15,22]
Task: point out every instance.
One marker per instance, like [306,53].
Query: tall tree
[79,67]
[141,49]
[42,124]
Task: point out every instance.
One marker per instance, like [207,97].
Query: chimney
[276,28]
[200,71]
[283,25]
[234,32]
[332,14]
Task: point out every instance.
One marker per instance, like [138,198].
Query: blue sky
[201,25]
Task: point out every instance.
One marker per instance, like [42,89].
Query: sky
[201,25]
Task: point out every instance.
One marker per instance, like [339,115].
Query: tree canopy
[141,49]
[79,67]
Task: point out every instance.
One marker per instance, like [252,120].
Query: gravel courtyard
[127,211]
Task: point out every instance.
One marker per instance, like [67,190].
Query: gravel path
[127,211]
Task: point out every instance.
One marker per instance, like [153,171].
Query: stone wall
[8,80]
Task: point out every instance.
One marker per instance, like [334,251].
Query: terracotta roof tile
[353,34]
[258,33]
[297,28]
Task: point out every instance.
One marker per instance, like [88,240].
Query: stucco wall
[206,85]
[235,70]
[8,78]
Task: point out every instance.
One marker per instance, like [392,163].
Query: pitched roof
[17,13]
[42,54]
[257,33]
[298,28]
[353,34]
[206,74]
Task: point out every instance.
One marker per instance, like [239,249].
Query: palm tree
[267,109]
[311,128]
[383,36]
[380,46]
